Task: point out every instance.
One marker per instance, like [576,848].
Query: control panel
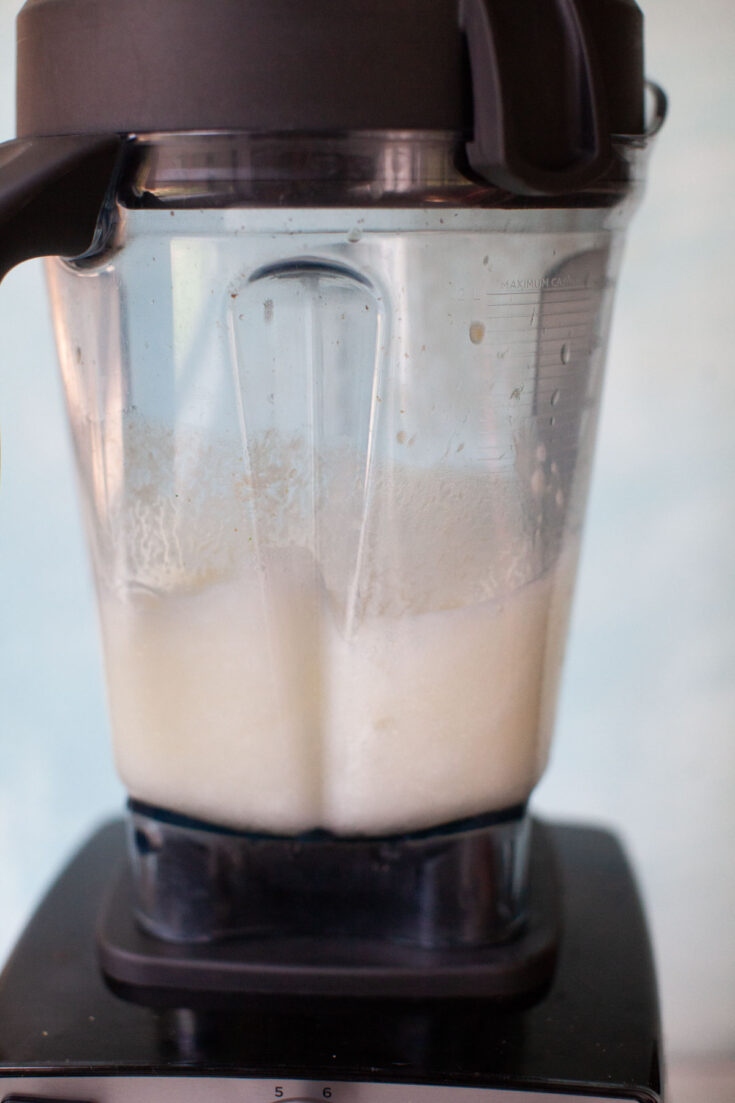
[196,1089]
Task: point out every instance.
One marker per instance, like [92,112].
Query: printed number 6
[327,1093]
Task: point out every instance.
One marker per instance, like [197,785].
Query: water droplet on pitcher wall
[566,352]
[401,437]
[477,332]
[555,396]
[354,236]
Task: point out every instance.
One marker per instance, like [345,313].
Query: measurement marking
[570,371]
[549,295]
[577,328]
[570,328]
[582,310]
[511,329]
[555,310]
[580,289]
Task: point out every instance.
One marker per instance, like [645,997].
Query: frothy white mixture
[248,699]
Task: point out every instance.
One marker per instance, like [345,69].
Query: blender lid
[534,90]
[536,87]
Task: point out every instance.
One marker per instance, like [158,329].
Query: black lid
[536,86]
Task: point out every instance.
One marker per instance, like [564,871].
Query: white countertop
[701,1080]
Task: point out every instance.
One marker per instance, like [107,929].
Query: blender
[331,286]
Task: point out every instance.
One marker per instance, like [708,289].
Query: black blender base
[162,973]
[592,1034]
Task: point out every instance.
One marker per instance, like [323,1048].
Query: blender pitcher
[331,324]
[333,463]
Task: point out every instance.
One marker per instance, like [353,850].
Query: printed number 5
[279,1093]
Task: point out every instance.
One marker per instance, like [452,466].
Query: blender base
[459,884]
[282,961]
[592,1034]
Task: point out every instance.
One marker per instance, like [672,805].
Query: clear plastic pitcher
[333,406]
[332,337]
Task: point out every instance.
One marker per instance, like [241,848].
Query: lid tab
[539,122]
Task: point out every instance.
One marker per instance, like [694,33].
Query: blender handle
[51,192]
[535,144]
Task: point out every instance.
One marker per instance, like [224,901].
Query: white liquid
[245,704]
[286,651]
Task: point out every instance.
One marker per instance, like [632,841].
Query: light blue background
[645,730]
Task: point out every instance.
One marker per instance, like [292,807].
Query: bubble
[566,352]
[477,332]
